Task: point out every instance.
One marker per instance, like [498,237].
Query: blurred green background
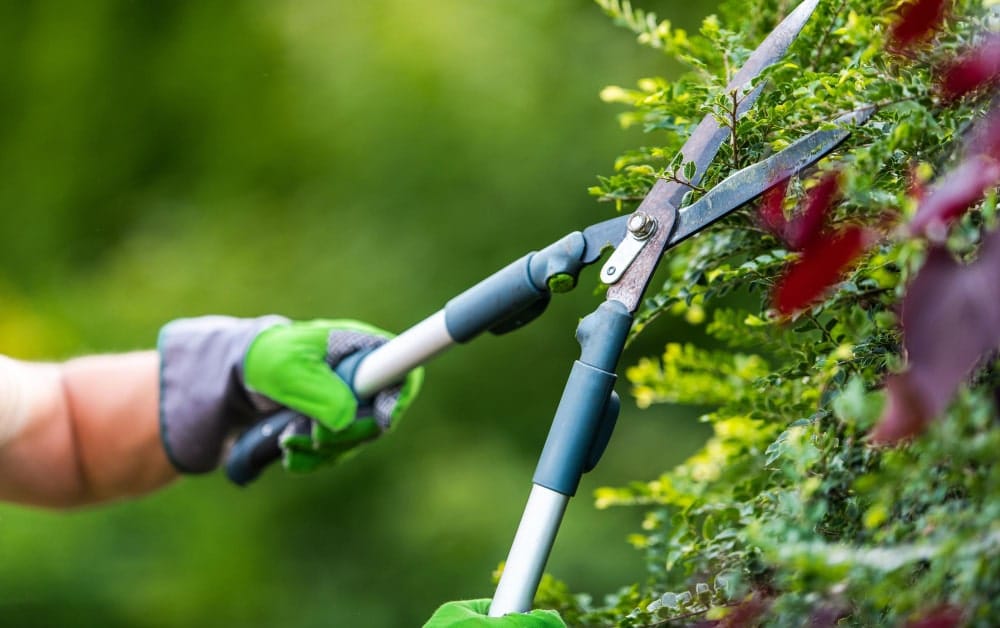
[356,159]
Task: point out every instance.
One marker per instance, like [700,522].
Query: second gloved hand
[474,614]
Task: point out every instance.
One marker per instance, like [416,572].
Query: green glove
[293,366]
[473,614]
[220,376]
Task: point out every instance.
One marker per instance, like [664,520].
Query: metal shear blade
[752,181]
[700,149]
[733,192]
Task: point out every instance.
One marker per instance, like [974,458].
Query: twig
[826,334]
[834,116]
[667,622]
[685,183]
[826,33]
[732,135]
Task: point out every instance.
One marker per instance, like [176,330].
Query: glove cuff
[202,393]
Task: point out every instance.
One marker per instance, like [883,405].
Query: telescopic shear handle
[506,300]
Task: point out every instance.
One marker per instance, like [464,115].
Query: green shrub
[789,515]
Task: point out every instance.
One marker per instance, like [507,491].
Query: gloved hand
[220,376]
[473,614]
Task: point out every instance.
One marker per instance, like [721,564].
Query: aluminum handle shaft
[529,551]
[391,362]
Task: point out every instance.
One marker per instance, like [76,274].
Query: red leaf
[905,413]
[916,189]
[916,22]
[770,214]
[821,266]
[945,616]
[974,69]
[807,225]
[961,188]
[950,319]
[746,613]
[985,136]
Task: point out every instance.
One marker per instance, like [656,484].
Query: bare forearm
[90,433]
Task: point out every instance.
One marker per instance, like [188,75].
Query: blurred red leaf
[916,22]
[950,319]
[974,69]
[905,413]
[770,214]
[807,225]
[917,188]
[961,188]
[985,136]
[945,616]
[747,613]
[822,264]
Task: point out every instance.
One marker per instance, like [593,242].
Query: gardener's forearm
[80,432]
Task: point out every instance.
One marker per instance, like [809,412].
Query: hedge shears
[516,294]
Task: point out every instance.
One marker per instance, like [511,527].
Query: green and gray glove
[473,614]
[220,376]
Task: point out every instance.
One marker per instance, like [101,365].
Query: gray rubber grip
[492,301]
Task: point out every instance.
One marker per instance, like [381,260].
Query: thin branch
[834,116]
[667,622]
[826,34]
[732,136]
[826,334]
[684,182]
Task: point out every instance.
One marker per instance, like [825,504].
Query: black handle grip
[257,448]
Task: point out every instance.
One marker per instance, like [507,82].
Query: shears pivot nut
[641,225]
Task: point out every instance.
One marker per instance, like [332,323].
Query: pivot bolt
[641,225]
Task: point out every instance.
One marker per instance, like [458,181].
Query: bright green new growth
[786,515]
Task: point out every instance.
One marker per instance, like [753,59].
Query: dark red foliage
[770,214]
[822,264]
[916,23]
[945,616]
[805,229]
[974,69]
[961,188]
[827,616]
[806,226]
[917,189]
[951,320]
[985,137]
[747,613]
[906,412]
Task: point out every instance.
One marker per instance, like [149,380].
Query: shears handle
[503,302]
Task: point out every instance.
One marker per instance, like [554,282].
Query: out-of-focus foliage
[361,159]
[788,516]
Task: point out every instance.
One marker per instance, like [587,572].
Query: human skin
[86,431]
